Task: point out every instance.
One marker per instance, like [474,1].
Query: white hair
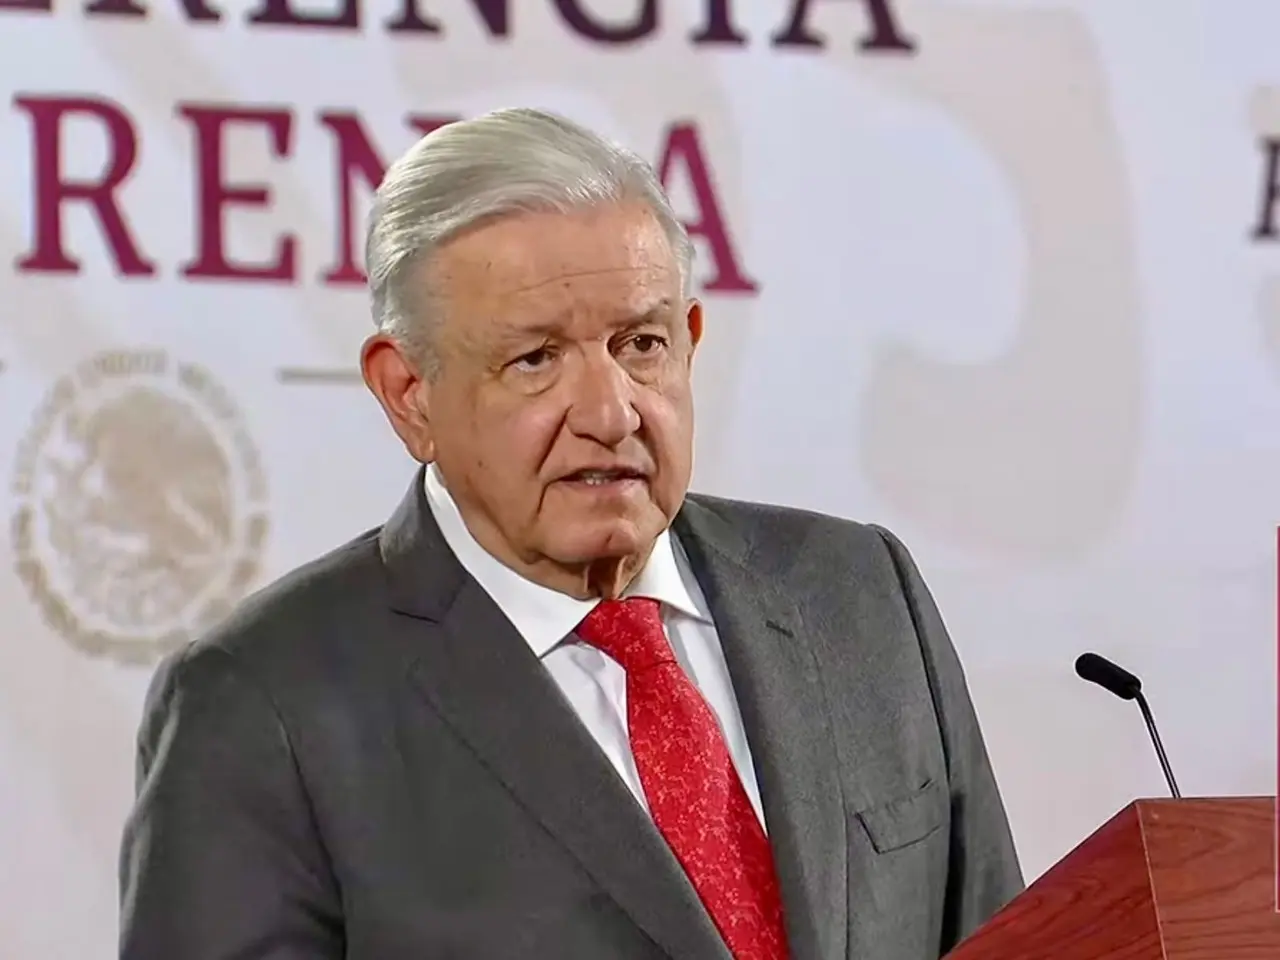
[473,171]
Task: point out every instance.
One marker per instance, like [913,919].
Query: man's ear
[400,388]
[693,321]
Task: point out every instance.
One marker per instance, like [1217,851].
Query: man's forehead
[520,253]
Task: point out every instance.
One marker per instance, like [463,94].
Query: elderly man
[556,707]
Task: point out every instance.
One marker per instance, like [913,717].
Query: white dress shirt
[593,683]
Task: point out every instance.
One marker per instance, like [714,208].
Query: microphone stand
[1155,739]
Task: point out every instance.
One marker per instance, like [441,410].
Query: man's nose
[601,408]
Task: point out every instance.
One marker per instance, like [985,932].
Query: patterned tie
[694,793]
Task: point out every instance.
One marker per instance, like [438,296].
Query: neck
[605,578]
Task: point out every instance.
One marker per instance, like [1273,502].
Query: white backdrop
[1004,293]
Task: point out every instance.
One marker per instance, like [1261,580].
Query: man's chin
[606,540]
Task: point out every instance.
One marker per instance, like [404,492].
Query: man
[554,707]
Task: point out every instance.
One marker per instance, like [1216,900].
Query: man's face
[561,417]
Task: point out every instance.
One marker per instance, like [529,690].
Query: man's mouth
[601,478]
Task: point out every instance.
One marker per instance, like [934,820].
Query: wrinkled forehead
[607,263]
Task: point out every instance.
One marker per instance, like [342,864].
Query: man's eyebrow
[506,337]
[656,312]
[530,331]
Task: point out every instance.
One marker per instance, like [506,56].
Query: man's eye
[647,343]
[533,359]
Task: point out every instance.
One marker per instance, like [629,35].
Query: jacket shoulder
[294,627]
[813,553]
[768,524]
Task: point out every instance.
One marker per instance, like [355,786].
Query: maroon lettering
[683,148]
[885,34]
[496,15]
[719,28]
[52,190]
[214,195]
[641,26]
[279,13]
[426,124]
[1265,228]
[358,159]
[41,6]
[197,10]
[360,167]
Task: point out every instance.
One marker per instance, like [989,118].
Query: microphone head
[1108,675]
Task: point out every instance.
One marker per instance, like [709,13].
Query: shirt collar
[544,617]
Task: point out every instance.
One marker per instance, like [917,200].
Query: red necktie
[694,793]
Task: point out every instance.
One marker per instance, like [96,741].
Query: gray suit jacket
[366,761]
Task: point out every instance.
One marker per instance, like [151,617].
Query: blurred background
[1001,275]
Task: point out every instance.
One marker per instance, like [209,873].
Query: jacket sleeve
[220,857]
[984,873]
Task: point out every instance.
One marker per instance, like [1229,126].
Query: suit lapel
[779,690]
[485,682]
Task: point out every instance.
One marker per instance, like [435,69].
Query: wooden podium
[1191,879]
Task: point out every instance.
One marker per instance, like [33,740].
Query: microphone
[1109,676]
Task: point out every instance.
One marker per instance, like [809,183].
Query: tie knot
[630,631]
